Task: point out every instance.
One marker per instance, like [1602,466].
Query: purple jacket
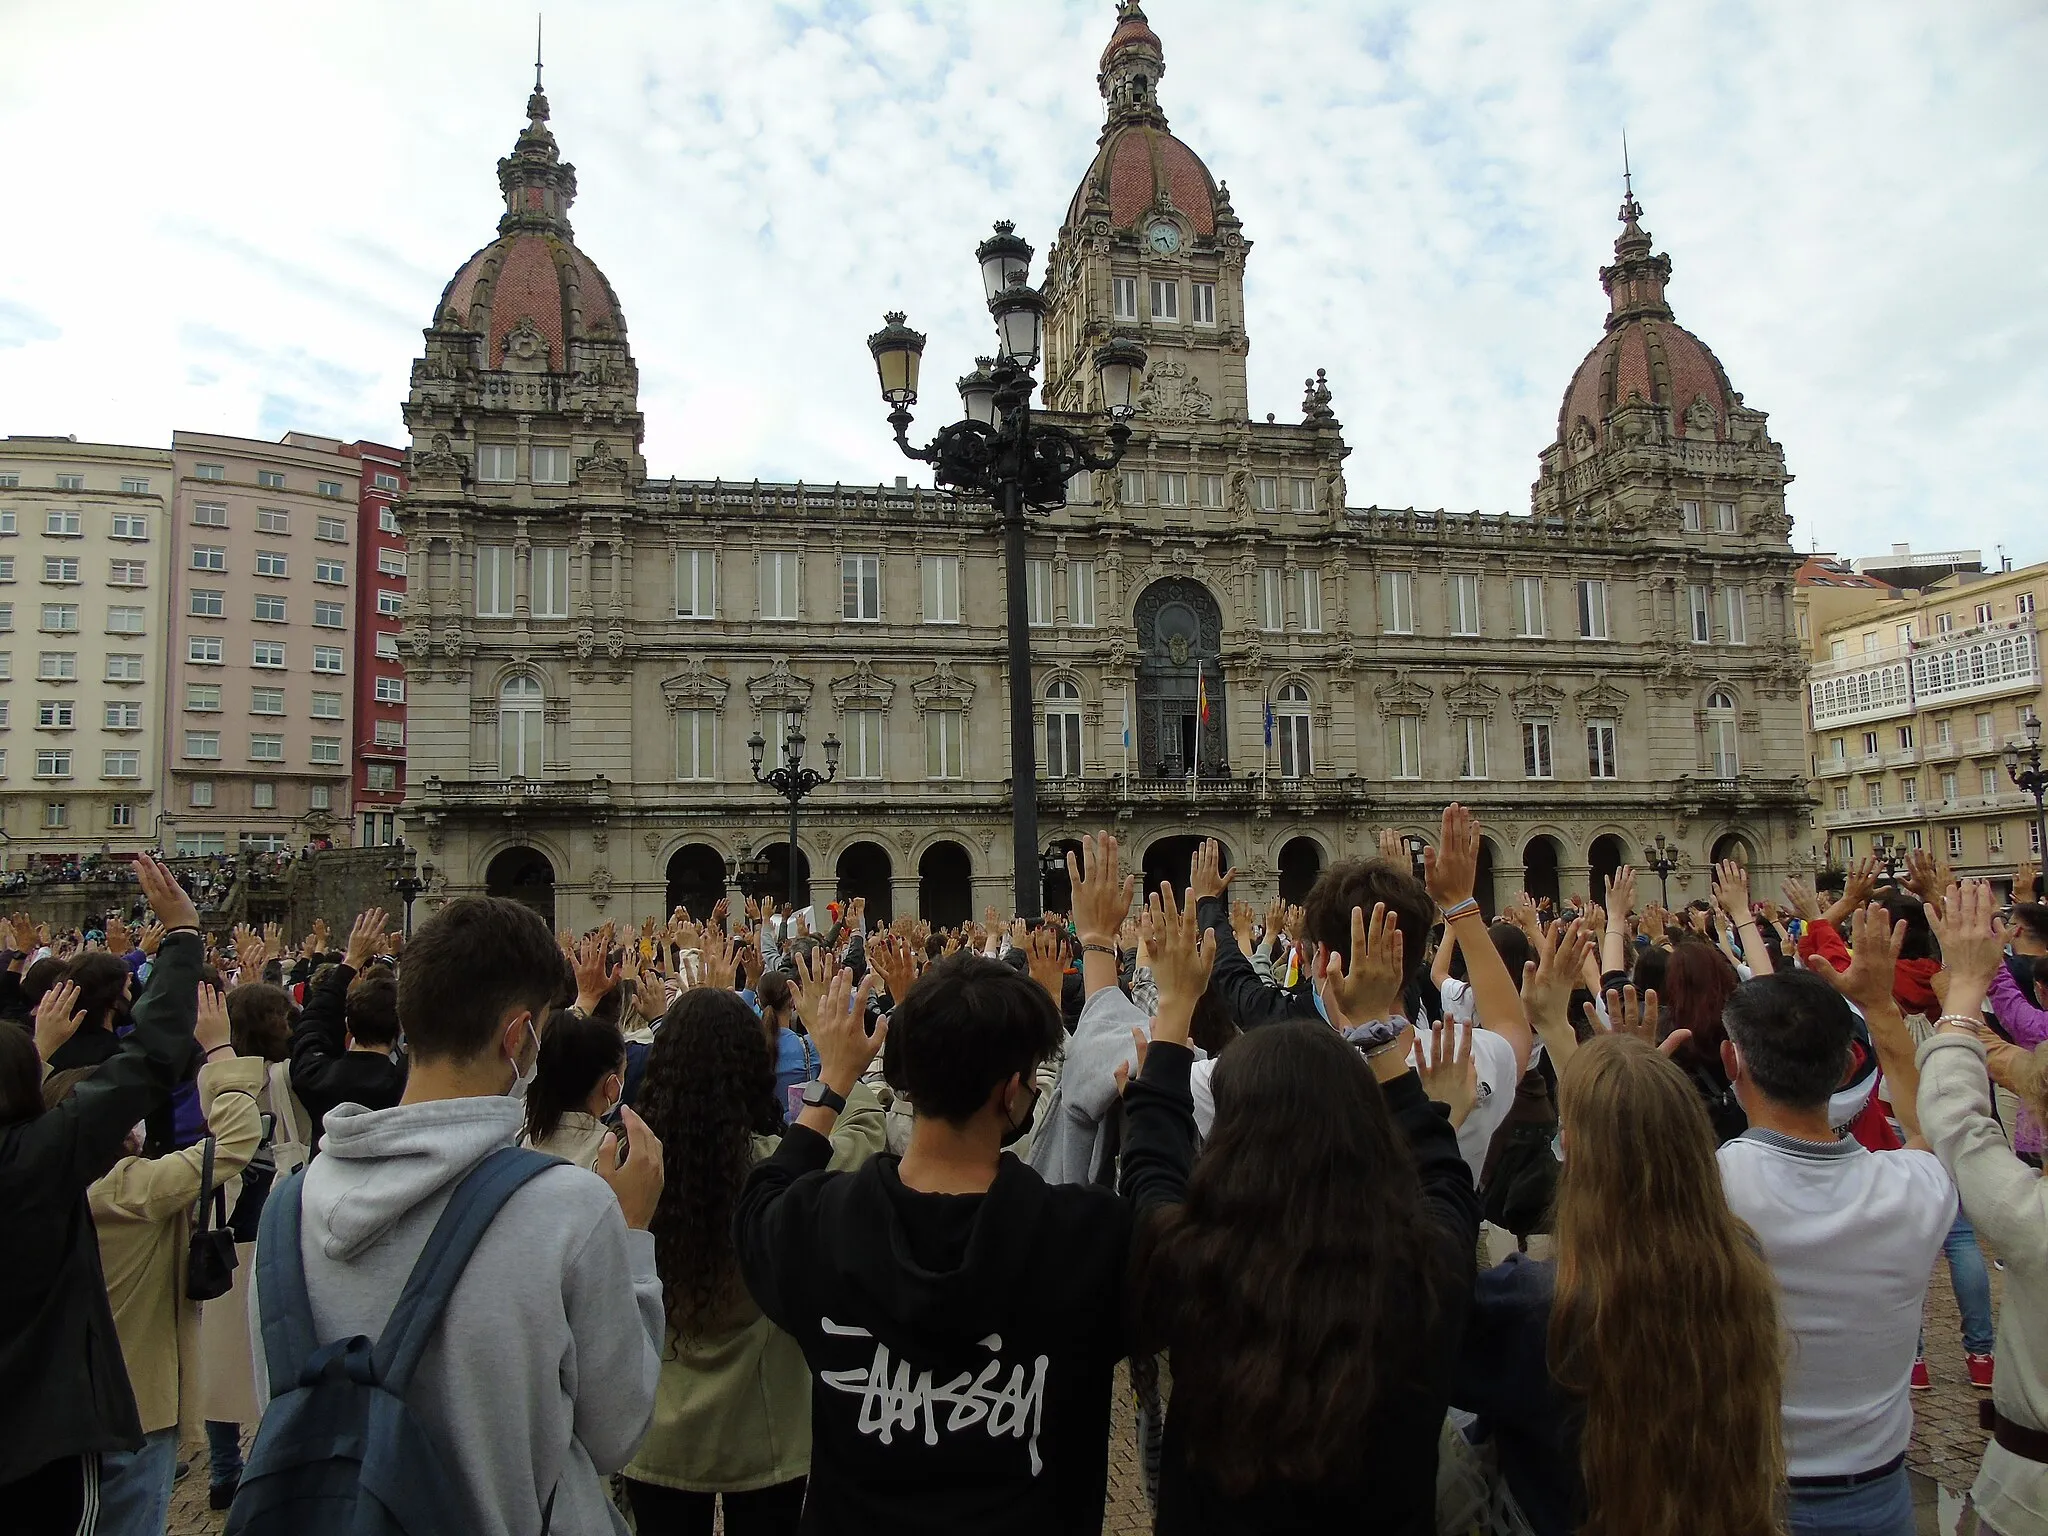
[2028,1027]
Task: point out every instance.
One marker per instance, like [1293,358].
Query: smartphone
[615,1122]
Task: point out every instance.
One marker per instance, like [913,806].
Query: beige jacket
[576,1140]
[2008,1202]
[142,1210]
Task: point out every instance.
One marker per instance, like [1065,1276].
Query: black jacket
[961,1346]
[325,1072]
[63,1387]
[1252,1001]
[1504,1377]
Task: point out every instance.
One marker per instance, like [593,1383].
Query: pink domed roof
[537,276]
[1136,163]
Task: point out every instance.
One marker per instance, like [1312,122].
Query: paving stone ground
[1946,1446]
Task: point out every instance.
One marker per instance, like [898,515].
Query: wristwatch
[815,1093]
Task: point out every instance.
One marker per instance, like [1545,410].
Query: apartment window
[1304,494]
[1984,726]
[388,733]
[1536,758]
[326,706]
[319,797]
[56,813]
[1397,602]
[390,690]
[132,526]
[203,697]
[1130,487]
[1873,795]
[1983,613]
[941,589]
[1903,634]
[1987,782]
[1165,299]
[6,665]
[53,763]
[121,815]
[330,530]
[210,514]
[120,669]
[860,588]
[1062,730]
[328,488]
[1905,737]
[498,462]
[262,794]
[267,653]
[324,750]
[1212,490]
[1038,592]
[694,731]
[1870,743]
[1527,592]
[327,658]
[1465,605]
[1702,616]
[268,610]
[1266,493]
[273,520]
[519,728]
[387,646]
[210,471]
[201,797]
[1081,593]
[71,482]
[1689,517]
[7,568]
[1948,789]
[1944,623]
[209,557]
[1722,757]
[387,520]
[202,744]
[1204,303]
[390,605]
[384,480]
[208,603]
[270,562]
[944,744]
[696,584]
[134,486]
[1592,611]
[270,479]
[493,581]
[6,617]
[60,618]
[1734,615]
[1291,721]
[550,583]
[127,573]
[390,563]
[1173,489]
[57,666]
[1472,747]
[1724,517]
[265,747]
[9,479]
[124,621]
[1272,598]
[778,584]
[1308,597]
[1841,797]
[262,701]
[2024,604]
[1124,295]
[1955,842]
[1942,728]
[54,715]
[550,466]
[381,778]
[862,756]
[63,570]
[330,573]
[1909,791]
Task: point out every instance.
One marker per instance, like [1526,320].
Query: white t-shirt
[1459,1008]
[1851,1235]
[1495,1059]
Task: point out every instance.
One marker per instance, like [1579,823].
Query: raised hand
[1046,950]
[1621,893]
[365,939]
[891,958]
[720,967]
[1182,957]
[595,974]
[1629,1015]
[1731,890]
[57,1019]
[119,940]
[1874,945]
[1102,892]
[1973,944]
[1369,985]
[1392,849]
[835,1014]
[212,1030]
[152,936]
[1276,920]
[1860,882]
[1206,877]
[167,899]
[1452,867]
[1451,1075]
[1548,980]
[1241,922]
[321,941]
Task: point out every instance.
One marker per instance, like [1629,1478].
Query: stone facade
[1226,645]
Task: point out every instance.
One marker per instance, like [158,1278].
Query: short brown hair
[471,963]
[1363,883]
[372,1008]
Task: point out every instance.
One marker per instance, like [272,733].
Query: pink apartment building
[378,785]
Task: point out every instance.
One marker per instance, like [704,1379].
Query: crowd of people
[1595,1218]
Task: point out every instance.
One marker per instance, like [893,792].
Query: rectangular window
[210,514]
[390,690]
[121,815]
[210,471]
[1266,493]
[1689,517]
[384,480]
[331,573]
[6,617]
[1592,610]
[6,665]
[550,466]
[1536,760]
[57,666]
[60,618]
[273,520]
[387,520]
[1124,292]
[127,573]
[319,797]
[203,697]
[1465,605]
[1165,299]
[1303,493]
[1173,489]
[326,706]
[202,744]
[1724,517]
[1870,744]
[381,778]
[267,653]
[271,479]
[324,749]
[61,524]
[778,584]
[387,646]
[1903,633]
[1130,487]
[201,797]
[1308,598]
[209,557]
[1944,624]
[493,581]
[54,715]
[1081,593]
[944,745]
[1841,797]
[696,584]
[860,588]
[1948,789]
[863,752]
[388,733]
[270,562]
[263,795]
[1204,303]
[1984,726]
[391,605]
[1905,737]
[327,658]
[120,669]
[208,603]
[132,485]
[1702,616]
[331,530]
[1909,791]
[7,568]
[1987,782]
[9,479]
[1735,615]
[1983,613]
[263,701]
[52,763]
[497,462]
[266,748]
[1397,602]
[268,610]
[1062,743]
[56,813]
[550,583]
[1212,490]
[1955,842]
[1272,598]
[132,526]
[1472,747]
[62,571]
[1407,747]
[941,589]
[70,482]
[2024,605]
[1527,592]
[694,731]
[390,563]
[1038,609]
[124,621]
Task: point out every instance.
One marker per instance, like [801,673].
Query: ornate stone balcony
[514,795]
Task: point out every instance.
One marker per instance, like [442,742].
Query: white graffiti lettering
[893,1395]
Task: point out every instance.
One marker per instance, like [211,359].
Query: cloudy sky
[238,216]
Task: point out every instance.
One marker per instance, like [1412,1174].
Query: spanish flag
[1202,693]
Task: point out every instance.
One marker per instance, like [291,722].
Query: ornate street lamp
[2033,781]
[1887,851]
[792,780]
[1665,862]
[996,450]
[406,881]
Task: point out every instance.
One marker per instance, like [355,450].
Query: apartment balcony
[513,796]
[1902,757]
[1744,792]
[1941,752]
[1831,767]
[1111,793]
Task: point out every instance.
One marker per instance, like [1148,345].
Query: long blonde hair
[1666,1315]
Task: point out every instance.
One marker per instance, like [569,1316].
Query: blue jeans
[1882,1508]
[135,1486]
[224,1453]
[1972,1282]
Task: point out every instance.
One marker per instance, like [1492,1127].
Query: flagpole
[1198,729]
[1127,735]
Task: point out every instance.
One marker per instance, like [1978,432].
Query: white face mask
[523,1079]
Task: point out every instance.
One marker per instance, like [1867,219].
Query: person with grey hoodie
[541,1380]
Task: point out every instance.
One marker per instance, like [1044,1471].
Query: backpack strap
[286,1311]
[463,1222]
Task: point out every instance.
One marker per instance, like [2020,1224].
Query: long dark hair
[1296,1285]
[709,1090]
[1698,981]
[575,1054]
[21,1076]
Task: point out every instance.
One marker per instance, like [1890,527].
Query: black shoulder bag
[210,1264]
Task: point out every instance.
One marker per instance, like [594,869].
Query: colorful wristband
[1451,914]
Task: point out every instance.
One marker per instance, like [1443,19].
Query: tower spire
[1131,67]
[536,52]
[538,185]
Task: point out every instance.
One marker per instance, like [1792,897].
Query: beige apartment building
[83,548]
[1913,698]
[259,715]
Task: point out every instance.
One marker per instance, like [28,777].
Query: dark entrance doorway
[524,875]
[1482,881]
[696,880]
[945,885]
[1300,862]
[777,886]
[864,870]
[1539,868]
[1605,857]
[1180,653]
[1058,895]
[1168,860]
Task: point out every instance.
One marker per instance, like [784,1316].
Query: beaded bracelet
[1451,914]
[1959,1018]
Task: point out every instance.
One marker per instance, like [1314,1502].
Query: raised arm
[1450,870]
[1874,943]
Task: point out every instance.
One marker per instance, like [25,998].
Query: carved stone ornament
[943,689]
[1470,696]
[863,685]
[777,688]
[1602,699]
[695,687]
[1581,439]
[525,348]
[601,888]
[1402,695]
[601,839]
[1699,416]
[439,460]
[601,463]
[1315,401]
[586,643]
[453,646]
[615,643]
[1170,394]
[1536,701]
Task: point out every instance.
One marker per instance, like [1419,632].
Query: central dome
[1139,165]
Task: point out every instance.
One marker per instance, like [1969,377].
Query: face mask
[1022,1123]
[523,1079]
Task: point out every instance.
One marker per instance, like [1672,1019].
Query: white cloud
[229,214]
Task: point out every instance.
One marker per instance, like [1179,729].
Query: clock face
[1164,237]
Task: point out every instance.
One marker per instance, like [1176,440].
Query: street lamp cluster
[2032,780]
[791,779]
[997,451]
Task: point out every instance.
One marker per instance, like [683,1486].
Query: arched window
[1722,760]
[519,729]
[1062,730]
[1290,718]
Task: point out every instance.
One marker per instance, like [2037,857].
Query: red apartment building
[380,676]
